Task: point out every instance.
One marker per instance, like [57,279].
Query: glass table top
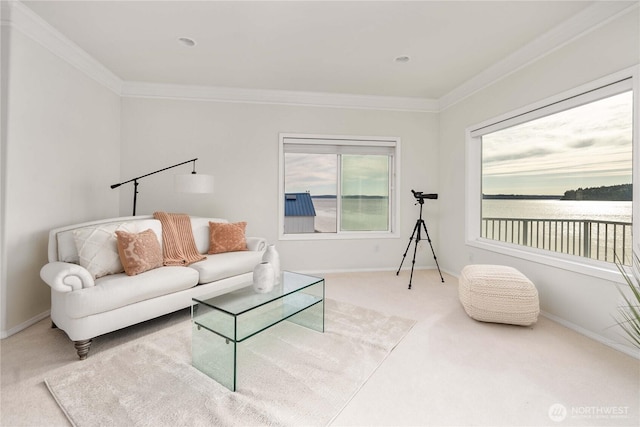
[245,299]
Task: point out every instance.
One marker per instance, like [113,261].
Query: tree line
[619,193]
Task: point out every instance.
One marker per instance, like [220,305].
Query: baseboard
[630,351]
[25,325]
[359,270]
[451,273]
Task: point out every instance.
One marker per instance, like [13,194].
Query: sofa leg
[82,347]
[53,325]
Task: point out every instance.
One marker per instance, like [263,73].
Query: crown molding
[18,16]
[588,20]
[282,97]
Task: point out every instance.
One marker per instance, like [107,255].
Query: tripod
[420,224]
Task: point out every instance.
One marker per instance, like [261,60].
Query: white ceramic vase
[271,256]
[263,278]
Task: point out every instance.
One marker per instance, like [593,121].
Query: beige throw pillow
[227,237]
[98,248]
[139,252]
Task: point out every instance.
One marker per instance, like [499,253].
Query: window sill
[585,266]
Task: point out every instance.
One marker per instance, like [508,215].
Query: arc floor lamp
[186,183]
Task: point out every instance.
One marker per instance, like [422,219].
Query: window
[333,187]
[557,177]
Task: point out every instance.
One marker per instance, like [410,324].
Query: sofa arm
[256,243]
[66,277]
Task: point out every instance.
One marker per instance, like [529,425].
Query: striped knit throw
[178,244]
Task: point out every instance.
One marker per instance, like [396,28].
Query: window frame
[352,142]
[551,105]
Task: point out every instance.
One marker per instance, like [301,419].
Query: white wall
[585,302]
[238,144]
[62,133]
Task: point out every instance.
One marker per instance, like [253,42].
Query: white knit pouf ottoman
[499,294]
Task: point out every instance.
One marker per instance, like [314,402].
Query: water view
[580,151]
[358,214]
[594,229]
[558,209]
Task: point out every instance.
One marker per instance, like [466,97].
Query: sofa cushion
[229,264]
[139,252]
[227,237]
[98,250]
[117,290]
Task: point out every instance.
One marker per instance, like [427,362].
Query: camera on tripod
[417,234]
[420,196]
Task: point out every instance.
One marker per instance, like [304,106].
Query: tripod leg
[415,249]
[416,229]
[432,251]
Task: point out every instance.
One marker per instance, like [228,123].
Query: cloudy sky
[587,146]
[317,173]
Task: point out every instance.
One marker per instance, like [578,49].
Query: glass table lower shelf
[221,323]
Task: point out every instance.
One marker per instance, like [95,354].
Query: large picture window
[332,187]
[559,177]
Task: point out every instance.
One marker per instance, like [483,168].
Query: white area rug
[288,375]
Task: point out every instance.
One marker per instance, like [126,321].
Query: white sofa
[85,307]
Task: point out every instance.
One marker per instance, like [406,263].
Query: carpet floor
[287,375]
[449,370]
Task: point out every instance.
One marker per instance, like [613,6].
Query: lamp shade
[193,183]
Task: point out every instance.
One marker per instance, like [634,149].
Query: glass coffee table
[221,323]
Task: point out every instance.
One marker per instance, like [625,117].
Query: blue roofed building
[299,213]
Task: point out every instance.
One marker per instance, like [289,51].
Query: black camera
[420,196]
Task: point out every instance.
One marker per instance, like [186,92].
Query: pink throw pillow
[139,252]
[227,237]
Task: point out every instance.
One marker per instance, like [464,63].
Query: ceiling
[338,47]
